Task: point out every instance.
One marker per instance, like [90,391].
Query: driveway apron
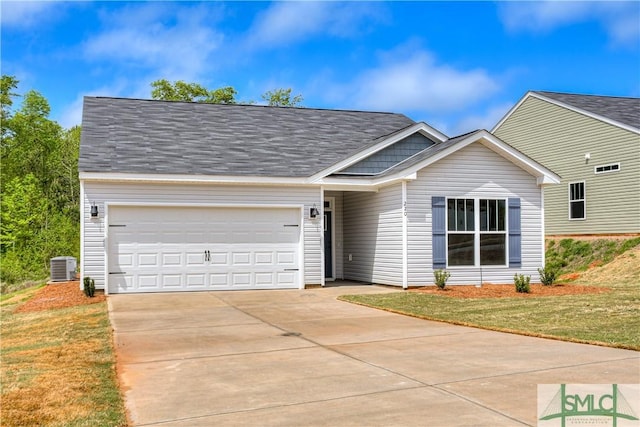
[303,358]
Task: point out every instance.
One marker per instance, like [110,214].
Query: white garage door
[168,249]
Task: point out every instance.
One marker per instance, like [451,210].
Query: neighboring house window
[577,200]
[488,237]
[614,167]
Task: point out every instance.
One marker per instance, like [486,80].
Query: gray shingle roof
[622,110]
[160,137]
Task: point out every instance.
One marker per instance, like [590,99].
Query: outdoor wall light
[313,212]
[94,210]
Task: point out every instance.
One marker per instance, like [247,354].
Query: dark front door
[328,245]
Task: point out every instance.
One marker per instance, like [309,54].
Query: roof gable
[159,137]
[436,152]
[617,111]
[389,156]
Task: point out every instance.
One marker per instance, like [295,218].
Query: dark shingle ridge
[624,110]
[123,135]
[244,105]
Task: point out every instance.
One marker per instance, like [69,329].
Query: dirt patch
[509,291]
[59,295]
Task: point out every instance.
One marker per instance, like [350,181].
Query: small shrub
[548,274]
[441,277]
[89,286]
[522,283]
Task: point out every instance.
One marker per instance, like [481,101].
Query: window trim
[617,166]
[477,232]
[583,200]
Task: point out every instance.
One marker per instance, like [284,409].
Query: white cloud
[25,14]
[483,119]
[153,38]
[619,18]
[286,23]
[416,82]
[72,114]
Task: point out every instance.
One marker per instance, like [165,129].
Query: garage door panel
[172,259]
[219,258]
[219,280]
[241,280]
[287,258]
[240,259]
[148,260]
[171,281]
[286,278]
[169,249]
[149,281]
[195,258]
[263,258]
[264,279]
[125,260]
[196,281]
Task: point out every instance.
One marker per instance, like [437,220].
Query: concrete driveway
[302,358]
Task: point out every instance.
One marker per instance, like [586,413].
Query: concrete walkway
[302,358]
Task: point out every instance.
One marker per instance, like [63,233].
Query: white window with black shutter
[472,232]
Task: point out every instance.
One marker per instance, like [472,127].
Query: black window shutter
[438,232]
[515,234]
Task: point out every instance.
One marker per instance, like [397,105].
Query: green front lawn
[611,318]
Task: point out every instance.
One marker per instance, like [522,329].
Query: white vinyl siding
[93,251]
[559,139]
[373,236]
[473,172]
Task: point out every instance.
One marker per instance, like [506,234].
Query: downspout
[321,226]
[405,249]
[542,230]
[81,233]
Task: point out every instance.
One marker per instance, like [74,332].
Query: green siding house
[593,143]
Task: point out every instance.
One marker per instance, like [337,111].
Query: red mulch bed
[59,295]
[509,291]
[69,294]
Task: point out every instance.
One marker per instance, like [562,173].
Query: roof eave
[192,179]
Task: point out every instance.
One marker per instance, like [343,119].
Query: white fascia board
[510,112]
[420,127]
[192,179]
[333,184]
[373,184]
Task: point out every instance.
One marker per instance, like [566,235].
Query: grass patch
[569,255]
[609,318]
[58,367]
[19,293]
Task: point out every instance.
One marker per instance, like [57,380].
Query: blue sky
[456,65]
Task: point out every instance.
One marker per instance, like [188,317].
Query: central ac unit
[63,268]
